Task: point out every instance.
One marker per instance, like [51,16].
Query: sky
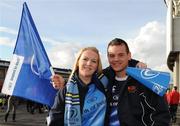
[65,26]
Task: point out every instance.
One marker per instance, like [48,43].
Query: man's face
[118,57]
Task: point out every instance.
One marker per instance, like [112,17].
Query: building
[5,64]
[3,70]
[173,39]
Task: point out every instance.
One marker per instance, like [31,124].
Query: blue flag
[156,81]
[30,70]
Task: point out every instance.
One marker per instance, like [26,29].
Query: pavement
[24,118]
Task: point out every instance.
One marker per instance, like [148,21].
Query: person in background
[174,101]
[29,106]
[12,104]
[2,100]
[83,100]
[167,96]
[38,106]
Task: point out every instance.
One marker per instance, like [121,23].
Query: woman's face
[88,63]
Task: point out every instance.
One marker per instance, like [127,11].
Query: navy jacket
[140,107]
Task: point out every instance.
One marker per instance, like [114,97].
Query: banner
[156,81]
[29,72]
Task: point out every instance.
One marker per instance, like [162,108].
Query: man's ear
[129,56]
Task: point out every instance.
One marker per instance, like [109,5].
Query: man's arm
[136,63]
[132,63]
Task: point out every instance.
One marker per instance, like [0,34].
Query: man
[174,101]
[131,103]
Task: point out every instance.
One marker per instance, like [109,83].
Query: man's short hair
[175,87]
[118,41]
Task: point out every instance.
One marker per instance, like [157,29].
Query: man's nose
[116,58]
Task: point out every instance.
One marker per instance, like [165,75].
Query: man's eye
[111,56]
[121,54]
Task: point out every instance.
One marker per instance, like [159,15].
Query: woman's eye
[94,61]
[85,59]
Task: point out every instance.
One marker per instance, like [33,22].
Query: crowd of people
[11,103]
[3,101]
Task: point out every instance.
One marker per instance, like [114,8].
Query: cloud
[9,6]
[8,30]
[104,59]
[150,45]
[7,41]
[63,54]
[51,41]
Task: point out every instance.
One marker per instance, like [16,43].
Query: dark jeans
[173,111]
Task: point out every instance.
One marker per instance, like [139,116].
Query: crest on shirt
[132,89]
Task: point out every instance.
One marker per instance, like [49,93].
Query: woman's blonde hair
[94,49]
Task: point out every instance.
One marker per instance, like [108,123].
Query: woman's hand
[57,81]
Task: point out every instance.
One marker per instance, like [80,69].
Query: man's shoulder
[108,72]
[106,69]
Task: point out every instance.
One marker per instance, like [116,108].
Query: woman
[83,101]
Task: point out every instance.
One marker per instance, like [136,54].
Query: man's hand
[141,65]
[57,81]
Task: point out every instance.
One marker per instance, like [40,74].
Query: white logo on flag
[149,74]
[157,88]
[12,74]
[32,68]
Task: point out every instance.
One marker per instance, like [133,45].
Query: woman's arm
[56,114]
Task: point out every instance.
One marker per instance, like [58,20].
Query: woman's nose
[88,62]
